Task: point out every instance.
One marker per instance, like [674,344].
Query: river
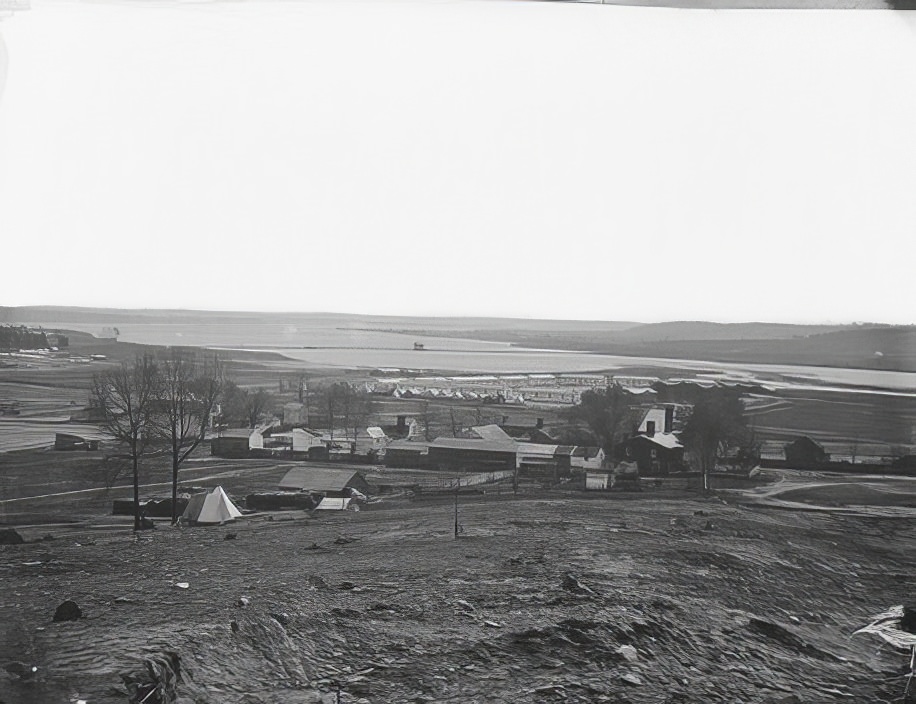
[326,343]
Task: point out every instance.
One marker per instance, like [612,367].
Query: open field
[718,603]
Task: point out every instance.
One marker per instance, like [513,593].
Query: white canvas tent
[210,508]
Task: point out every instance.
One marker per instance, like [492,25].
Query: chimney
[402,422]
[540,423]
[669,419]
[650,428]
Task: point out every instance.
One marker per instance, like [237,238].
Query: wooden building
[806,453]
[466,453]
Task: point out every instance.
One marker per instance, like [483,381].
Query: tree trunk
[174,486]
[136,462]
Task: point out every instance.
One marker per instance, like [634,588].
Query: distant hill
[863,347]
[701,330]
[866,346]
[113,316]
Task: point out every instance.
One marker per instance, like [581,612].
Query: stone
[68,611]
[282,618]
[628,652]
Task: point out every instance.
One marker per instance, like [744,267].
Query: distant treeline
[14,338]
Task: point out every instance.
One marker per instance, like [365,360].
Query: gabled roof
[533,448]
[318,479]
[565,450]
[236,433]
[332,504]
[654,415]
[408,445]
[808,440]
[491,432]
[667,440]
[472,444]
[297,431]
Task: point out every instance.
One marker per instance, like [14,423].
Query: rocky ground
[560,600]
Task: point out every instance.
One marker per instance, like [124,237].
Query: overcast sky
[463,157]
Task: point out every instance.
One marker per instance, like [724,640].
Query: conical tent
[212,507]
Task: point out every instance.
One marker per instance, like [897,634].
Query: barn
[468,453]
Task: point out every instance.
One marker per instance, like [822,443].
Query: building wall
[452,458]
[230,447]
[651,458]
[407,459]
[303,441]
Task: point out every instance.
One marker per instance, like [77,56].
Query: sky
[460,157]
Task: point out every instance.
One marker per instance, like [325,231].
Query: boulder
[68,611]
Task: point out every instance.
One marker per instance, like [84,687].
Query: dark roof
[530,433]
[474,444]
[586,452]
[667,440]
[319,479]
[396,431]
[804,439]
[407,446]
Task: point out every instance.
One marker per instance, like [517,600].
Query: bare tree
[187,393]
[127,397]
[606,413]
[716,428]
[425,417]
[361,408]
[244,405]
[349,406]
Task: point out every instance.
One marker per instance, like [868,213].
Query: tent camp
[210,508]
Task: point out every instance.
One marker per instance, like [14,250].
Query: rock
[243,601]
[181,585]
[21,670]
[628,652]
[346,586]
[492,624]
[631,678]
[234,626]
[572,584]
[282,618]
[908,620]
[701,512]
[465,604]
[230,536]
[710,526]
[346,613]
[8,536]
[68,611]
